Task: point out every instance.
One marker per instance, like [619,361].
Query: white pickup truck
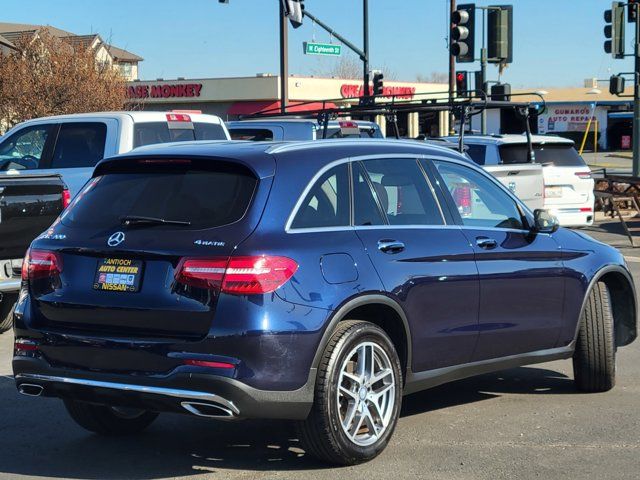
[71,145]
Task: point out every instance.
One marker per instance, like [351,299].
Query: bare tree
[433,77]
[349,67]
[48,76]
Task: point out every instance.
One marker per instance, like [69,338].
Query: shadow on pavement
[39,439]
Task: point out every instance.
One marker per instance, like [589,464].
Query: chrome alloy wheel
[366,394]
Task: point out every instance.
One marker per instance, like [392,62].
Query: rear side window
[477,153]
[327,204]
[205,197]
[551,154]
[251,134]
[403,193]
[79,145]
[365,208]
[150,133]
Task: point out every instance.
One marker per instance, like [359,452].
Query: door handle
[390,246]
[486,243]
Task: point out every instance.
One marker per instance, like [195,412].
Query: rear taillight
[583,175]
[40,264]
[237,275]
[66,198]
[25,345]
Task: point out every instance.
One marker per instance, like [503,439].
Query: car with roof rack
[312,281]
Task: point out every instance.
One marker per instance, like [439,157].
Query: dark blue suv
[312,281]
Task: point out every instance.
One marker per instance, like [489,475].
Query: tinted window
[557,155]
[149,133]
[24,149]
[365,207]
[477,153]
[79,145]
[327,204]
[403,192]
[205,198]
[251,134]
[479,201]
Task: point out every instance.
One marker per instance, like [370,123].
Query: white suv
[568,192]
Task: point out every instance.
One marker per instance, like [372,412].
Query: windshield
[553,154]
[195,197]
[149,133]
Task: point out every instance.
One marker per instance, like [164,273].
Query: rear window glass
[251,134]
[205,198]
[477,153]
[335,132]
[149,133]
[556,155]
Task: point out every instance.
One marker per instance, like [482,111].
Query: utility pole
[452,70]
[284,60]
[483,72]
[636,95]
[365,29]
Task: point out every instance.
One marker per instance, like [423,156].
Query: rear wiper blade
[138,220]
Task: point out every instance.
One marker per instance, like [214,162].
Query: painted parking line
[632,259]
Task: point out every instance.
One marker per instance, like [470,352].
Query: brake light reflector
[586,209]
[584,175]
[41,264]
[66,198]
[178,117]
[237,275]
[25,345]
[204,363]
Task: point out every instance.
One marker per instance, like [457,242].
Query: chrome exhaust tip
[211,410]
[30,389]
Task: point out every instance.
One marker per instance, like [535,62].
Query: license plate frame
[121,275]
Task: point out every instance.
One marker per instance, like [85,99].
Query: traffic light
[463,33]
[462,84]
[293,11]
[501,92]
[614,30]
[500,34]
[616,85]
[631,10]
[378,85]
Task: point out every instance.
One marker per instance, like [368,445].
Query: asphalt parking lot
[522,423]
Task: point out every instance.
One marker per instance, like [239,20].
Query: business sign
[565,118]
[312,48]
[356,91]
[167,90]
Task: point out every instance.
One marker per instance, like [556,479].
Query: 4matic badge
[209,243]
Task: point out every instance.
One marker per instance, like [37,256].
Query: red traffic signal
[462,84]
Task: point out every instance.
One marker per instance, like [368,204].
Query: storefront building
[232,98]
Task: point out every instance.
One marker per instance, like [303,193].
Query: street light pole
[365,15]
[284,60]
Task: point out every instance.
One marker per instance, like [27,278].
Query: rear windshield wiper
[138,220]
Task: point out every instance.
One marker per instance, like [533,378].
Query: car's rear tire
[358,394]
[7,304]
[594,360]
[110,421]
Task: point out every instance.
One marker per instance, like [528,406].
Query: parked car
[568,184]
[311,281]
[29,204]
[277,129]
[72,145]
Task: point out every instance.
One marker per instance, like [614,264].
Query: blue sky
[557,42]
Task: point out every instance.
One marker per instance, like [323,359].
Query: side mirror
[544,222]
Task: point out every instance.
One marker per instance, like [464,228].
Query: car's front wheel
[594,360]
[357,397]
[106,420]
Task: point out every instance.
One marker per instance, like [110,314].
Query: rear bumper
[572,217]
[197,394]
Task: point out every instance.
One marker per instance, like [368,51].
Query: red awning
[249,108]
